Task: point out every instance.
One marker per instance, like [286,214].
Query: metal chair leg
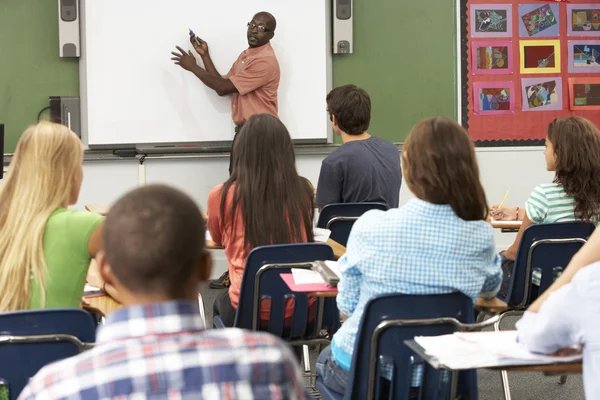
[306,358]
[503,373]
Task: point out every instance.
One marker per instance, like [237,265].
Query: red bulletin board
[516,126]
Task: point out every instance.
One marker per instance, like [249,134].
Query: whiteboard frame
[211,146]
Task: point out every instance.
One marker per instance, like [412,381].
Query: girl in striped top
[573,153]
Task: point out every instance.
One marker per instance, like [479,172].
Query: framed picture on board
[584,56]
[538,20]
[583,19]
[493,98]
[539,56]
[584,93]
[490,20]
[542,94]
[492,57]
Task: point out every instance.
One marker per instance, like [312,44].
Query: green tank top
[67,258]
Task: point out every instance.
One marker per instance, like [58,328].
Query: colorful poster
[490,20]
[540,56]
[584,56]
[542,94]
[583,19]
[584,93]
[492,58]
[493,98]
[538,20]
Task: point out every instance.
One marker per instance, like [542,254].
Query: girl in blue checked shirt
[437,243]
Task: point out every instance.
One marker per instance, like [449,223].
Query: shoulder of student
[216,190]
[588,275]
[371,220]
[241,339]
[546,188]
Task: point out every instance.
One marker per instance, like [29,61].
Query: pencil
[504,199]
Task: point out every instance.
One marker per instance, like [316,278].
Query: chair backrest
[379,341]
[266,283]
[339,218]
[24,357]
[549,248]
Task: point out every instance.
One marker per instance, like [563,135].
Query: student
[264,202]
[573,153]
[365,168]
[156,346]
[567,314]
[45,249]
[439,242]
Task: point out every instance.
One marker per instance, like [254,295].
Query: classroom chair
[545,249]
[339,218]
[388,321]
[32,339]
[262,280]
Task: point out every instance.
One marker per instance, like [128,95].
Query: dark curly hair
[351,107]
[576,143]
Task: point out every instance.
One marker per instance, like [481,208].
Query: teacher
[253,79]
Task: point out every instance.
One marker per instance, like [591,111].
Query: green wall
[404,57]
[30,68]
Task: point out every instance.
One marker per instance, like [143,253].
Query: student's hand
[185,60]
[509,254]
[504,213]
[567,352]
[201,49]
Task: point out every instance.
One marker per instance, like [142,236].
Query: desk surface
[102,209]
[105,304]
[551,369]
[506,224]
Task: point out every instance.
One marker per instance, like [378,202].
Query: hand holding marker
[195,37]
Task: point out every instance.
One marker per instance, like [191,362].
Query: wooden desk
[494,305]
[506,226]
[548,369]
[105,304]
[338,249]
[103,209]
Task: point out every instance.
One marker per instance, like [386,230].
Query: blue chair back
[267,284]
[21,361]
[375,345]
[549,248]
[340,217]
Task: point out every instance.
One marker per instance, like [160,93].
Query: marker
[195,37]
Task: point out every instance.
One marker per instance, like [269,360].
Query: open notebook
[310,277]
[466,350]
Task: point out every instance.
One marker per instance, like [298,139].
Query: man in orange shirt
[253,79]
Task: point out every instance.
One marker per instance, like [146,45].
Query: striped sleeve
[537,205]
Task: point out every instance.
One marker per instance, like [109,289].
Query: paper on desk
[90,288]
[321,234]
[500,223]
[463,350]
[333,266]
[306,276]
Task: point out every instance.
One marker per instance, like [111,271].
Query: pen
[504,199]
[195,37]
